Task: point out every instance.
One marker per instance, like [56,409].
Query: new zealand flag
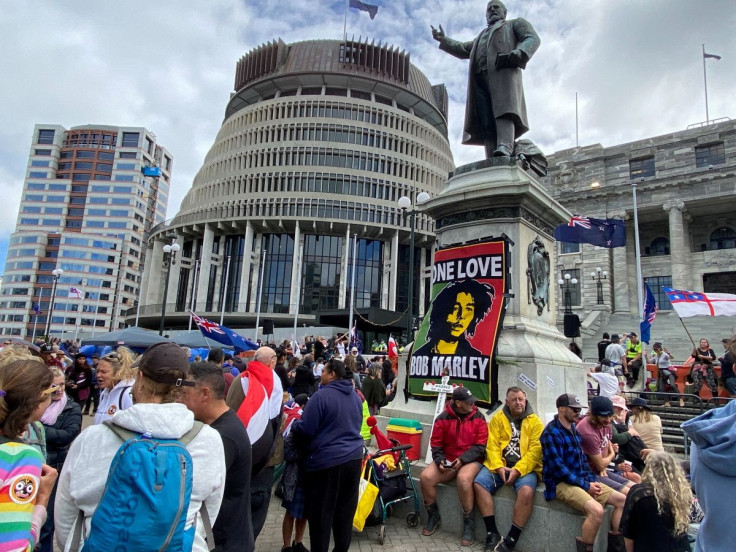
[221,334]
[601,232]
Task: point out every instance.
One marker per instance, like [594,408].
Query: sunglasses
[55,387]
[111,356]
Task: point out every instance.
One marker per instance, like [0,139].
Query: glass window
[124,177]
[98,200]
[95,224]
[369,270]
[37,174]
[660,246]
[35,186]
[39,163]
[130,139]
[723,238]
[105,155]
[100,188]
[657,284]
[42,151]
[34,197]
[57,187]
[574,289]
[32,210]
[640,168]
[81,177]
[46,136]
[128,155]
[104,167]
[712,154]
[66,154]
[84,154]
[277,275]
[54,210]
[566,247]
[51,222]
[83,165]
[126,166]
[321,273]
[97,212]
[29,221]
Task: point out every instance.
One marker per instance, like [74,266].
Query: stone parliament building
[686,195]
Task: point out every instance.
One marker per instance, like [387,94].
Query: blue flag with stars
[601,232]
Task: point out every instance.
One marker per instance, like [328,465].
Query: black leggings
[331,500]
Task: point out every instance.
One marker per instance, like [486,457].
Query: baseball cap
[601,406]
[46,348]
[632,334]
[619,402]
[569,399]
[166,363]
[463,394]
[656,345]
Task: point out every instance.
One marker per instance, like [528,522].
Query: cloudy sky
[169,66]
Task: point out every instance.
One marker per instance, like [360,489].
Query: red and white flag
[75,293]
[393,349]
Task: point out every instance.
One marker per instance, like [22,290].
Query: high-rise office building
[320,140]
[86,210]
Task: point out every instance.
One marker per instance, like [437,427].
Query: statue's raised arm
[495,112]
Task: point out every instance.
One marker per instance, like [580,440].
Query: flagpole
[224,291]
[79,318]
[577,141]
[686,330]
[639,279]
[705,87]
[345,26]
[194,293]
[260,293]
[298,289]
[352,290]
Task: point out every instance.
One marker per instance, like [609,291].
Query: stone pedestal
[490,199]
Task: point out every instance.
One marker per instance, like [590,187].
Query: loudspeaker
[267,327]
[572,325]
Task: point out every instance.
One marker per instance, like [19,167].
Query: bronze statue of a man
[495,113]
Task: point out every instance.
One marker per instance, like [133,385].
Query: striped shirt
[20,476]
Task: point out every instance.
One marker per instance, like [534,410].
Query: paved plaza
[399,537]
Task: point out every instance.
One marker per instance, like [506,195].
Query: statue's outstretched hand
[438,34]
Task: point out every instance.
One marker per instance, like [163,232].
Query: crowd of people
[228,426]
[625,359]
[611,456]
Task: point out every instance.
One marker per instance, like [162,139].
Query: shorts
[491,481]
[730,385]
[576,497]
[295,507]
[613,480]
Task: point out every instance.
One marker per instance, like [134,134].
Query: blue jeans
[491,481]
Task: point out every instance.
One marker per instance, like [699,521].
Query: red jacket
[454,437]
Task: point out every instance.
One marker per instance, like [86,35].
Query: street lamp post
[566,285]
[599,275]
[404,203]
[170,251]
[56,273]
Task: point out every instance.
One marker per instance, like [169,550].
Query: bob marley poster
[458,334]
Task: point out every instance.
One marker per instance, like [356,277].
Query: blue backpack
[144,505]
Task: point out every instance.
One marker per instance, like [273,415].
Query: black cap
[633,334]
[463,394]
[46,348]
[656,345]
[166,363]
[569,399]
[601,406]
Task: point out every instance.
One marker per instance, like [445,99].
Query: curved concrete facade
[320,140]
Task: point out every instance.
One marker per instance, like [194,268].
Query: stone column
[208,238]
[345,264]
[245,270]
[620,268]
[151,274]
[394,277]
[297,260]
[679,251]
[257,258]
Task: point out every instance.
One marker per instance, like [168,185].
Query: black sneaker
[492,540]
[433,520]
[298,547]
[506,545]
[286,549]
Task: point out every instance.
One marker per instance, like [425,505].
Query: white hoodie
[83,478]
[112,400]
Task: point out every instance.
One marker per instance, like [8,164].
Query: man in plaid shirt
[567,476]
